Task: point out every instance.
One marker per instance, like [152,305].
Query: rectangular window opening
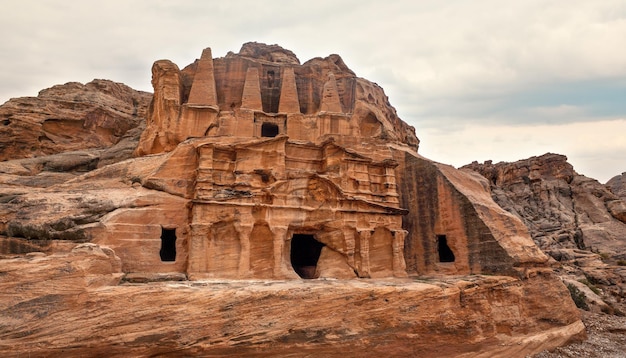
[168,244]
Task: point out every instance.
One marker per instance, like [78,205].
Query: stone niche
[305,170]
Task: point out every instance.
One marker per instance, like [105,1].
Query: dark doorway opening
[445,253]
[168,244]
[269,130]
[305,251]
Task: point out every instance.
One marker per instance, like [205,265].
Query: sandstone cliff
[253,173]
[578,221]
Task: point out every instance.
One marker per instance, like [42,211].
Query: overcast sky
[479,80]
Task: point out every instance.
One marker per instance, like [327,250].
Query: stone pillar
[289,102]
[244,239]
[348,235]
[364,252]
[251,98]
[203,91]
[399,266]
[389,181]
[197,250]
[279,238]
[330,96]
[204,173]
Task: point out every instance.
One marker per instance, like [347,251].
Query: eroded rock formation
[72,117]
[578,221]
[69,310]
[254,166]
[617,185]
[563,209]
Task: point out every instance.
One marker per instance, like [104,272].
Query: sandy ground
[606,339]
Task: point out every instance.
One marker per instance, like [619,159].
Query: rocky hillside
[89,118]
[66,131]
[575,219]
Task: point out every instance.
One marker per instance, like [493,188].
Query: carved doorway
[305,252]
[444,251]
[168,244]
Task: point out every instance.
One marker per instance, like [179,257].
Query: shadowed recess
[168,244]
[445,253]
[305,251]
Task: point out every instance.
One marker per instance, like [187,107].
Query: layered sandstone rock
[71,117]
[64,304]
[562,209]
[575,219]
[253,166]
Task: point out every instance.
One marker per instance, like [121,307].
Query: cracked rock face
[70,117]
[576,220]
[562,209]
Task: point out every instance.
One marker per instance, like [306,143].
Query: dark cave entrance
[168,244]
[305,251]
[269,130]
[445,253]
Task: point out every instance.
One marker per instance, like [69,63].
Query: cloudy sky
[479,80]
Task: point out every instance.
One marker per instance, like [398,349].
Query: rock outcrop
[563,209]
[72,117]
[617,185]
[576,220]
[255,167]
[57,306]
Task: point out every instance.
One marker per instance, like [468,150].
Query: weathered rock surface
[95,206]
[252,167]
[562,209]
[606,339]
[68,304]
[71,117]
[575,219]
[617,185]
[235,95]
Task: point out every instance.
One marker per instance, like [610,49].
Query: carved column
[399,266]
[197,249]
[350,242]
[364,252]
[204,171]
[279,237]
[244,258]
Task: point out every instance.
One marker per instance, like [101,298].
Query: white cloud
[443,64]
[562,112]
[595,149]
